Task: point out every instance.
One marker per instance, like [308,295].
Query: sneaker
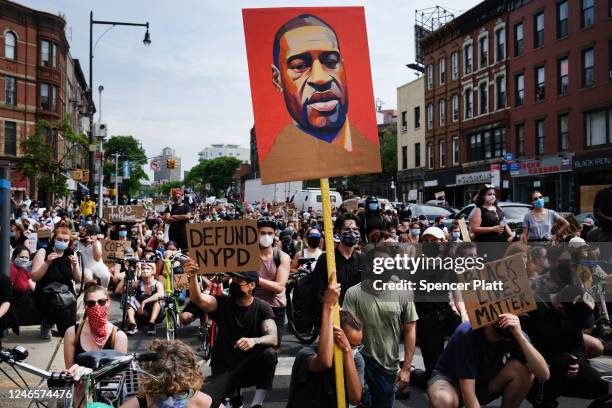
[45,332]
[151,329]
[131,330]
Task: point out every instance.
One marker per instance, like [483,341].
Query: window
[563,132]
[539,136]
[48,97]
[45,53]
[598,127]
[468,103]
[442,153]
[588,68]
[442,112]
[520,89]
[455,150]
[500,43]
[10,91]
[540,89]
[562,18]
[520,140]
[563,68]
[430,156]
[430,116]
[455,107]
[487,144]
[404,121]
[404,157]
[454,64]
[417,155]
[10,138]
[467,51]
[442,70]
[538,39]
[519,46]
[483,45]
[10,46]
[500,90]
[429,76]
[588,13]
[483,97]
[417,117]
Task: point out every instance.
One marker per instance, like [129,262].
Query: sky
[190,88]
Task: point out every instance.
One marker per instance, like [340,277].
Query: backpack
[277,257]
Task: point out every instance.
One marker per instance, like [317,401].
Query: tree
[42,158]
[165,188]
[388,151]
[219,173]
[130,149]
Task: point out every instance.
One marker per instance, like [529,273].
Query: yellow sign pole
[331,275]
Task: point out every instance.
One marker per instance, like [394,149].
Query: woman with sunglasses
[53,269]
[538,223]
[94,332]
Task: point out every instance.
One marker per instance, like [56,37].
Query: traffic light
[171,163]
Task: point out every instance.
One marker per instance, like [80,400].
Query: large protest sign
[113,248]
[297,119]
[500,287]
[124,213]
[231,246]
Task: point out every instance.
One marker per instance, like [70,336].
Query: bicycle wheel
[305,333]
[171,324]
[205,349]
[124,308]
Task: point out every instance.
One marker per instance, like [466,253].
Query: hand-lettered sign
[124,213]
[113,248]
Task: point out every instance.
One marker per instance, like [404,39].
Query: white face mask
[266,240]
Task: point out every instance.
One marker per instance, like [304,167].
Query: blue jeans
[381,384]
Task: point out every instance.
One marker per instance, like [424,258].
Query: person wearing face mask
[157,239]
[273,272]
[17,235]
[22,300]
[177,215]
[53,269]
[537,262]
[312,375]
[414,232]
[144,306]
[455,233]
[488,223]
[287,243]
[372,218]
[244,354]
[312,250]
[88,208]
[538,223]
[91,252]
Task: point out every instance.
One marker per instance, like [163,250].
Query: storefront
[20,185]
[549,175]
[592,172]
[410,185]
[441,180]
[468,185]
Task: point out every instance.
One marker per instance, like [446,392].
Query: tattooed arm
[269,338]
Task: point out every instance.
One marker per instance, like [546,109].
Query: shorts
[482,387]
[146,316]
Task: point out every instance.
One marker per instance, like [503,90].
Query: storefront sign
[430,183]
[480,177]
[495,175]
[543,166]
[601,160]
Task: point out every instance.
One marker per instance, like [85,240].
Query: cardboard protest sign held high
[231,246]
[113,248]
[124,213]
[465,233]
[332,119]
[484,303]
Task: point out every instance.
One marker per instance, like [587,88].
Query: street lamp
[100,135]
[146,42]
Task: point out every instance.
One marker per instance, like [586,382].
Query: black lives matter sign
[487,301]
[229,246]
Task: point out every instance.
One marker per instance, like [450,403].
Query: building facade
[410,140]
[225,150]
[166,174]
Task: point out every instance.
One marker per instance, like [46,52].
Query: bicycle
[105,365]
[171,306]
[300,314]
[208,330]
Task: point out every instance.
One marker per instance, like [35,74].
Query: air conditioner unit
[100,130]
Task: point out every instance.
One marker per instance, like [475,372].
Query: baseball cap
[577,242]
[251,276]
[434,231]
[588,221]
[123,226]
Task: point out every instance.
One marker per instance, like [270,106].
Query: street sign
[508,156]
[119,179]
[504,167]
[155,165]
[515,167]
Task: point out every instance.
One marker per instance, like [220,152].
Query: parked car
[432,212]
[514,212]
[352,203]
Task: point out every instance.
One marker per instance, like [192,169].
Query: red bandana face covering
[98,317]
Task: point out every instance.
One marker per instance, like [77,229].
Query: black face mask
[235,292]
[432,249]
[314,242]
[350,238]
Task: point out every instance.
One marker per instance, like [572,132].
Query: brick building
[519,76]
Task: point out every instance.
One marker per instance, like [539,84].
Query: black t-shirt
[177,231]
[235,322]
[58,271]
[348,274]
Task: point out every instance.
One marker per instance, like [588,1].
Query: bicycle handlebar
[130,260]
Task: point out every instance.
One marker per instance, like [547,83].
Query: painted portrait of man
[309,75]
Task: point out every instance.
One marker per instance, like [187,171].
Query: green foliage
[388,151]
[219,173]
[40,159]
[130,149]
[165,188]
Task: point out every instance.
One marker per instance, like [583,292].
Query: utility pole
[116,179]
[5,215]
[101,168]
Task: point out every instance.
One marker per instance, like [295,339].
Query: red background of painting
[271,116]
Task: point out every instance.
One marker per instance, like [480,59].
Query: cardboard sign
[113,248]
[124,213]
[32,242]
[333,121]
[231,246]
[485,303]
[181,281]
[43,234]
[465,233]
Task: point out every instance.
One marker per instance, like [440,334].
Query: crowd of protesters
[539,356]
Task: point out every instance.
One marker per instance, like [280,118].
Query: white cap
[588,221]
[577,242]
[435,231]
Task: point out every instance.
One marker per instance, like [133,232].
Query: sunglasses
[92,303]
[537,198]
